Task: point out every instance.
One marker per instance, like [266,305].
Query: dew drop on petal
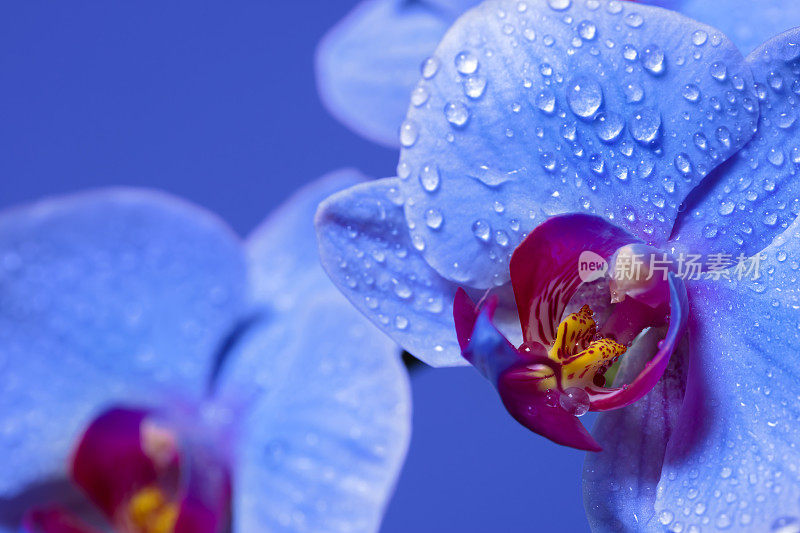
[584,96]
[456,113]
[575,401]
[466,63]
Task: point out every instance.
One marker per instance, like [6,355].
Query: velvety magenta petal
[544,268]
[53,520]
[110,464]
[652,372]
[495,358]
[531,409]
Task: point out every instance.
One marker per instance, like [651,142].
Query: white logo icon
[591,267]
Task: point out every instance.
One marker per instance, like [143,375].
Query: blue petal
[731,458]
[580,112]
[619,492]
[747,22]
[118,296]
[369,254]
[368,64]
[756,195]
[328,397]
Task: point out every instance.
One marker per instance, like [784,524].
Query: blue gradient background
[216,102]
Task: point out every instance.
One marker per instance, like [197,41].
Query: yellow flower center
[149,511]
[582,356]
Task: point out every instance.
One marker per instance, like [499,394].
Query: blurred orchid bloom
[552,129]
[368,65]
[161,376]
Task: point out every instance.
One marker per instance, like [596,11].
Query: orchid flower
[561,132]
[160,376]
[369,64]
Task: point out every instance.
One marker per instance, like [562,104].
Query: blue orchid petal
[368,64]
[619,493]
[540,108]
[113,297]
[731,457]
[368,252]
[747,22]
[326,393]
[756,195]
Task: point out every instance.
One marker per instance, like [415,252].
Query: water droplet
[633,93]
[420,95]
[724,136]
[429,177]
[587,30]
[400,322]
[482,230]
[719,71]
[457,114]
[645,126]
[634,20]
[699,38]
[710,231]
[429,68]
[775,156]
[683,164]
[584,96]
[559,5]
[653,60]
[466,63]
[629,52]
[691,92]
[665,517]
[474,87]
[575,401]
[726,207]
[546,102]
[408,133]
[609,126]
[434,218]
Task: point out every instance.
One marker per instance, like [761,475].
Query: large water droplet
[559,5]
[546,102]
[434,218]
[420,95]
[457,114]
[575,401]
[474,87]
[429,68]
[429,177]
[785,524]
[691,92]
[609,126]
[482,230]
[584,96]
[653,59]
[645,125]
[587,30]
[409,132]
[719,71]
[466,63]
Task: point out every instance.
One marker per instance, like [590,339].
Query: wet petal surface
[369,254]
[731,459]
[748,23]
[538,108]
[368,65]
[755,196]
